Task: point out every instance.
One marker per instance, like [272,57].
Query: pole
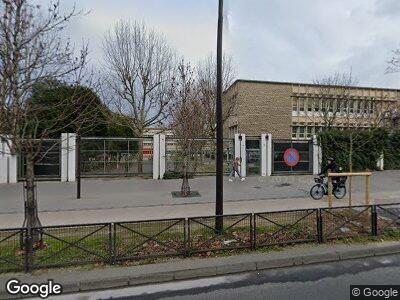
[219,210]
[78,166]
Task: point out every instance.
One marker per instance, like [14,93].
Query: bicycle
[321,188]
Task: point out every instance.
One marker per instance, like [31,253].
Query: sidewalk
[81,216]
[81,279]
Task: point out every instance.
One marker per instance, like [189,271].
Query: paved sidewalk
[81,279]
[184,210]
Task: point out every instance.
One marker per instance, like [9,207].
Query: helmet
[331,158]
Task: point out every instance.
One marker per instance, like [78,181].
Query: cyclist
[332,167]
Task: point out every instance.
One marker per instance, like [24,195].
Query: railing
[145,239]
[237,233]
[109,243]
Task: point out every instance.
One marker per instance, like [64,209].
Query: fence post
[187,237]
[111,243]
[374,221]
[319,227]
[28,250]
[329,190]
[252,231]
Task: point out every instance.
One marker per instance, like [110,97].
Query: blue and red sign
[291,157]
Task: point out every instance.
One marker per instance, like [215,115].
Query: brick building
[297,110]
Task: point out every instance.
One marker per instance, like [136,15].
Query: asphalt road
[321,281]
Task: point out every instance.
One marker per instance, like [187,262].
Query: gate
[292,157]
[116,156]
[48,164]
[253,156]
[202,157]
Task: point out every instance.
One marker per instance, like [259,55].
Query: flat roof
[309,84]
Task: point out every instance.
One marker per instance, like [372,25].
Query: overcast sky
[278,40]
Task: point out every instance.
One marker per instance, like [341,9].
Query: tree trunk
[31,210]
[185,188]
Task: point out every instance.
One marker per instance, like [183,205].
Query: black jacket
[333,167]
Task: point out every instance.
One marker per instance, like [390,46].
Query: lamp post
[219,201]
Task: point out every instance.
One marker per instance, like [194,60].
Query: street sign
[291,157]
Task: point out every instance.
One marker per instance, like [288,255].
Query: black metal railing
[71,245]
[285,227]
[237,233]
[144,239]
[108,243]
[345,222]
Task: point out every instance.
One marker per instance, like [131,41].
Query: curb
[226,266]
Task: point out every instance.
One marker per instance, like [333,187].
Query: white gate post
[68,157]
[8,163]
[269,154]
[162,147]
[264,142]
[266,154]
[64,157]
[240,151]
[156,156]
[381,163]
[317,156]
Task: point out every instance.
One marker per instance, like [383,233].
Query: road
[321,281]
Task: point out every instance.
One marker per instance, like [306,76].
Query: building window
[294,132]
[310,104]
[301,132]
[301,104]
[316,105]
[294,104]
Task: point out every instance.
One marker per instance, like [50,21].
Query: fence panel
[73,245]
[116,156]
[202,158]
[285,227]
[237,233]
[144,239]
[12,256]
[343,222]
[388,219]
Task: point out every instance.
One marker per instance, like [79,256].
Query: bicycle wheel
[317,192]
[340,192]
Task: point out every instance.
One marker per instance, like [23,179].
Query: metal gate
[48,164]
[116,156]
[202,158]
[253,156]
[302,163]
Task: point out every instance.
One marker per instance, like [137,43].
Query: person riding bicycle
[332,167]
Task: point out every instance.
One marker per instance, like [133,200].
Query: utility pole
[219,201]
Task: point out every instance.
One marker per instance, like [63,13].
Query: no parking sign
[291,157]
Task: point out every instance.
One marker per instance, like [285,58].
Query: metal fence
[116,156]
[110,243]
[237,233]
[144,239]
[202,156]
[285,227]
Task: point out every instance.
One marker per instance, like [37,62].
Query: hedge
[368,146]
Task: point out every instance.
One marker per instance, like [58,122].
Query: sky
[276,40]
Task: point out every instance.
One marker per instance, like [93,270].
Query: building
[298,110]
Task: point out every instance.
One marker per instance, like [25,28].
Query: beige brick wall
[264,108]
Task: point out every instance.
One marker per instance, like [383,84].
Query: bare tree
[187,121]
[207,81]
[32,51]
[333,101]
[139,67]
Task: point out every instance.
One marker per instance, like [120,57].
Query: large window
[301,104]
[294,104]
[295,130]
